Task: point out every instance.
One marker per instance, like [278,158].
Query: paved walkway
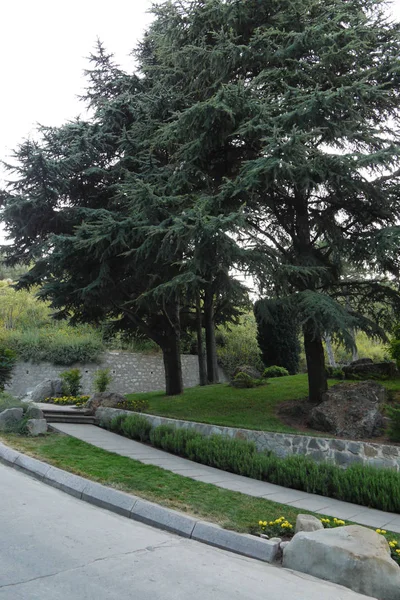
[252,487]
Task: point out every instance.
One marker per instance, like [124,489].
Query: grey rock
[49,388]
[36,427]
[284,545]
[353,556]
[247,545]
[365,367]
[104,399]
[307,523]
[34,412]
[10,417]
[350,410]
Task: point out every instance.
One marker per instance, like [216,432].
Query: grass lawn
[222,404]
[231,510]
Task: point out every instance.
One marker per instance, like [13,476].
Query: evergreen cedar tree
[253,135]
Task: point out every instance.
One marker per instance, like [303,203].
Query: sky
[44,45]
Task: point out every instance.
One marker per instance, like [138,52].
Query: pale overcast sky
[44,45]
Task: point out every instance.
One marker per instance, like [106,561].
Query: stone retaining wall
[131,373]
[336,451]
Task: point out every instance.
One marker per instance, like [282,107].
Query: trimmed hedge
[367,486]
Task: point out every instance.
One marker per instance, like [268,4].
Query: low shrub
[102,380]
[275,371]
[243,380]
[335,373]
[136,428]
[367,486]
[134,404]
[58,345]
[394,426]
[71,382]
[115,424]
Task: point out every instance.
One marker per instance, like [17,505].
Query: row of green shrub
[368,486]
[60,346]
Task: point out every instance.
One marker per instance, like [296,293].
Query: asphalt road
[54,547]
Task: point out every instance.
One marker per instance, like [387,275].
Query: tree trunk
[329,351]
[173,366]
[200,349]
[211,345]
[317,379]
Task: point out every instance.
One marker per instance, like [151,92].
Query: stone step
[57,418]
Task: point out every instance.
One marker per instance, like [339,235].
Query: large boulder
[36,427]
[353,556]
[351,410]
[365,368]
[107,399]
[249,370]
[10,417]
[49,388]
[34,412]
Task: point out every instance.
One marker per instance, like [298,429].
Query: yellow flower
[398,550]
[264,523]
[395,542]
[260,522]
[392,544]
[378,530]
[383,531]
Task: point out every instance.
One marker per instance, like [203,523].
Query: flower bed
[68,400]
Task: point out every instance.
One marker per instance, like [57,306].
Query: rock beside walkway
[106,399]
[36,427]
[10,417]
[308,523]
[49,388]
[353,556]
[34,412]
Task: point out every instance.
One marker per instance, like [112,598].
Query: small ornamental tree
[8,358]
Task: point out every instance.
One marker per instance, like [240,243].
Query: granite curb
[137,509]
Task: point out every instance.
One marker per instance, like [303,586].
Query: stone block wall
[131,373]
[340,452]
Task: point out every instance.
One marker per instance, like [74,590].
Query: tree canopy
[252,135]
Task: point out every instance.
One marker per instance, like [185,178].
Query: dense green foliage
[256,136]
[237,345]
[8,358]
[368,486]
[278,332]
[8,401]
[394,346]
[102,380]
[71,382]
[134,404]
[275,371]
[393,412]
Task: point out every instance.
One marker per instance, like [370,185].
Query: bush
[8,358]
[71,382]
[275,371]
[136,428]
[335,373]
[115,424]
[102,380]
[58,345]
[134,404]
[243,380]
[238,346]
[367,486]
[394,427]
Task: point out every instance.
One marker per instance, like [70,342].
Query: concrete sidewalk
[252,487]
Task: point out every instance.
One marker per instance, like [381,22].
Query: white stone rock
[36,426]
[353,556]
[307,523]
[34,412]
[284,545]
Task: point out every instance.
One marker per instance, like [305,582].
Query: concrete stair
[69,416]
